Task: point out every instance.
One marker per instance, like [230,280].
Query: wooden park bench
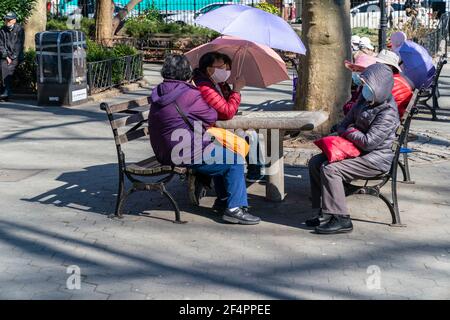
[129,122]
[157,46]
[383,179]
[433,91]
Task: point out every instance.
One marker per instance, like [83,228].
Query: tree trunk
[119,18]
[324,81]
[35,23]
[103,23]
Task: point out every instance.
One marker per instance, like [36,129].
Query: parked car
[188,17]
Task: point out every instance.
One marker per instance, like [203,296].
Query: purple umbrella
[253,25]
[417,64]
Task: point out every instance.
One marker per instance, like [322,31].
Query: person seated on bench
[371,126]
[211,76]
[416,62]
[403,86]
[177,109]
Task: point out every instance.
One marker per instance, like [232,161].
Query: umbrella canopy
[417,63]
[254,25]
[259,65]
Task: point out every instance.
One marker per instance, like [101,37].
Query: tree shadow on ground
[94,190]
[268,105]
[273,280]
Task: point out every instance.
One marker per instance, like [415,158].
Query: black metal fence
[180,11]
[106,74]
[432,41]
[424,13]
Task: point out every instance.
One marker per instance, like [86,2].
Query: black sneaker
[196,189]
[5,94]
[337,224]
[317,221]
[254,174]
[240,216]
[219,205]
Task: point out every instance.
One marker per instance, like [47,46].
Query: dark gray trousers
[7,72]
[327,181]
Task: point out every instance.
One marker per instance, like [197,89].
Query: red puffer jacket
[402,92]
[226,105]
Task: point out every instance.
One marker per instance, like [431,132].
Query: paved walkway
[58,183]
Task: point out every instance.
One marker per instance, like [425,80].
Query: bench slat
[126,121]
[151,166]
[130,136]
[128,105]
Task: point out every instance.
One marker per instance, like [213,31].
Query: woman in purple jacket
[178,120]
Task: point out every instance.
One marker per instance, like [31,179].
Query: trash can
[61,67]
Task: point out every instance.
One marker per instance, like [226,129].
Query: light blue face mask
[367,94]
[356,79]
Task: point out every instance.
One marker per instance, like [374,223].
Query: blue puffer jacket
[371,126]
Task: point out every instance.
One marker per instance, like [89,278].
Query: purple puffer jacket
[164,119]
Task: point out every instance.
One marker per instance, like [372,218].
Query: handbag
[337,148]
[224,137]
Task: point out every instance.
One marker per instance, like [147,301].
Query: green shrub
[152,14]
[87,25]
[56,24]
[142,28]
[24,80]
[268,8]
[96,52]
[122,50]
[22,8]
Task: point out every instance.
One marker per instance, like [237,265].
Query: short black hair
[176,67]
[208,59]
[227,60]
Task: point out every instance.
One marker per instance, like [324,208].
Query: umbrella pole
[241,63]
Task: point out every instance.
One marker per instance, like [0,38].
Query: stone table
[277,123]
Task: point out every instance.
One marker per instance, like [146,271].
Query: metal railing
[170,11]
[433,40]
[106,74]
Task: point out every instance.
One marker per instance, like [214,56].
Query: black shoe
[219,205]
[254,174]
[337,224]
[240,216]
[196,189]
[5,94]
[317,221]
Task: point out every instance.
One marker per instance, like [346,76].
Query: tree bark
[103,23]
[35,23]
[324,81]
[119,18]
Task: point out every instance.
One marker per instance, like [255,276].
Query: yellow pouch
[230,140]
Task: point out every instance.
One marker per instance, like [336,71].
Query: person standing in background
[12,38]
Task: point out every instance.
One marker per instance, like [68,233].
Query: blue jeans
[229,180]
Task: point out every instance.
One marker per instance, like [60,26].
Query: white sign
[79,95]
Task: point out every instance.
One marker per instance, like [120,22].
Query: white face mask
[221,75]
